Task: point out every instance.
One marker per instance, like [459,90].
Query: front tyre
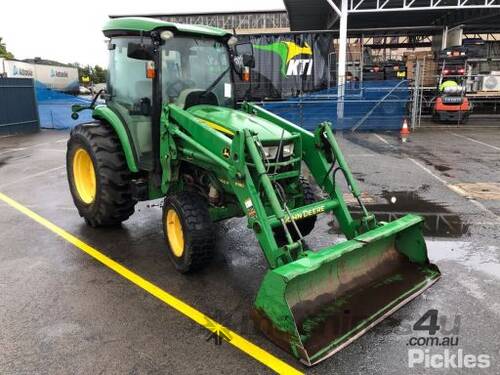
[98,176]
[305,225]
[189,231]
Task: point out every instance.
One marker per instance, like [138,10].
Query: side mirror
[244,53]
[244,48]
[78,107]
[244,60]
[248,60]
[75,108]
[139,51]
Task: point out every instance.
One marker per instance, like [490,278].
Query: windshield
[194,67]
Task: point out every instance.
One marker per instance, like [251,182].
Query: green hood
[229,120]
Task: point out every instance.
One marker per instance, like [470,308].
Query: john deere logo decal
[288,51]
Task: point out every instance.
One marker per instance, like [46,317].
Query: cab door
[130,93]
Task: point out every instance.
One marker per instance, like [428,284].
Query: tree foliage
[96,74]
[3,50]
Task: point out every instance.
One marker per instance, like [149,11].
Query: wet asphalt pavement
[62,312]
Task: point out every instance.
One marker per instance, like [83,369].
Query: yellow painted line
[232,337]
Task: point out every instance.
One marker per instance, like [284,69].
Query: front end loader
[172,129]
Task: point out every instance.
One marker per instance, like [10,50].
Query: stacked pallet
[353,52]
[427,62]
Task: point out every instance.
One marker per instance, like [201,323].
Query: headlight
[288,150]
[270,152]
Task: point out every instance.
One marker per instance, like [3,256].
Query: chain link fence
[368,105]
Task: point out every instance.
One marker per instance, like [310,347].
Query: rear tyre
[305,225]
[98,176]
[189,231]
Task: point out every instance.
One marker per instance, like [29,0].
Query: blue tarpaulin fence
[54,108]
[369,105]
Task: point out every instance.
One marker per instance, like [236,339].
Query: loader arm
[311,302]
[316,305]
[316,157]
[247,176]
[185,138]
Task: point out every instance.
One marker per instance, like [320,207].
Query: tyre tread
[198,230]
[116,203]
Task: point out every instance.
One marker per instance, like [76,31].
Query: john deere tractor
[171,128]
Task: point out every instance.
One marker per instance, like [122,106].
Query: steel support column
[342,59]
[444,39]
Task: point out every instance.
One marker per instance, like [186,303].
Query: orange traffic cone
[405,132]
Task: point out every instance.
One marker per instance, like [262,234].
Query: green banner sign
[287,64]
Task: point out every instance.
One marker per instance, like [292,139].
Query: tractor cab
[196,71]
[165,63]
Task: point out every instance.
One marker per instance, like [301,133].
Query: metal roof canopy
[194,14]
[370,16]
[470,15]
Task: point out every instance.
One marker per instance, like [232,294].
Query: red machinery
[452,105]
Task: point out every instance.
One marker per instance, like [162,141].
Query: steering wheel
[174,88]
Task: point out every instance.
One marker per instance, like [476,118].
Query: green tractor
[171,128]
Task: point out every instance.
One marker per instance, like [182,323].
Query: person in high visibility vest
[446,84]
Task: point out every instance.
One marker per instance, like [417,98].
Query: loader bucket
[318,304]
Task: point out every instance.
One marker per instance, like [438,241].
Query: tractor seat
[191,97]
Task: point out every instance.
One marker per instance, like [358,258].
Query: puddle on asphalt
[482,258]
[439,220]
[4,160]
[441,168]
[433,161]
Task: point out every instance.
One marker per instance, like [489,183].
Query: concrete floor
[62,312]
[475,120]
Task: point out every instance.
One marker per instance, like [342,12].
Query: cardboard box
[429,74]
[353,51]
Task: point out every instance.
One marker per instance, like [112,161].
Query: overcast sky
[70,31]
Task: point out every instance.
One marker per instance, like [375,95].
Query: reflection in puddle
[439,221]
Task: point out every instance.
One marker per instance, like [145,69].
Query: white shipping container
[18,69]
[59,78]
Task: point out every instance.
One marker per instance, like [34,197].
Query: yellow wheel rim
[84,175]
[174,233]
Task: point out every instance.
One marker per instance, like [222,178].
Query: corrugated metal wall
[18,108]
